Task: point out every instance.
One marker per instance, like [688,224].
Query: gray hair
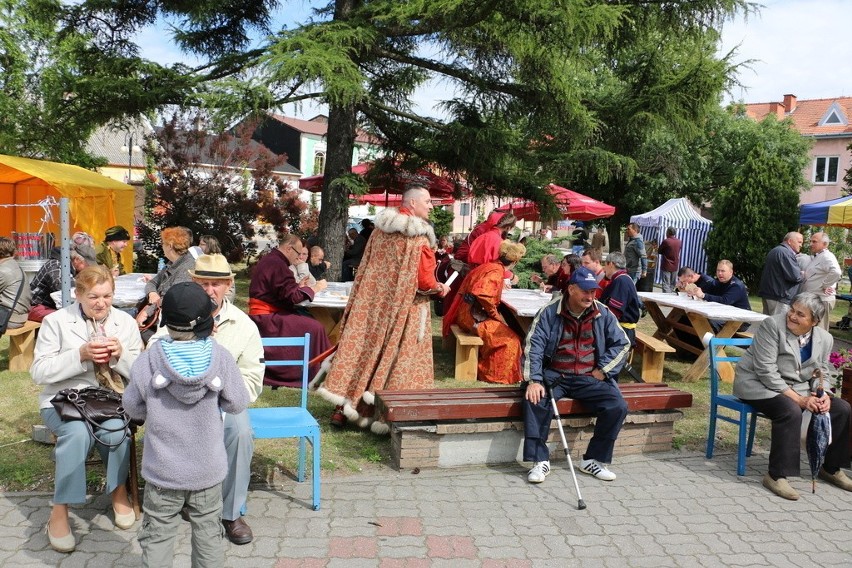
[792,234]
[550,259]
[617,259]
[812,302]
[181,335]
[824,238]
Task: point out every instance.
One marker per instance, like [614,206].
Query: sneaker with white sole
[539,471]
[597,469]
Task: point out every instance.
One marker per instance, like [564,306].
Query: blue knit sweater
[184,429]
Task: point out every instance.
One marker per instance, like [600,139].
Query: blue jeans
[73,445]
[603,398]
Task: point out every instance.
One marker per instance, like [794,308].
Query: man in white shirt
[234,331]
[822,275]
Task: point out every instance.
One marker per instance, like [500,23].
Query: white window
[826,169]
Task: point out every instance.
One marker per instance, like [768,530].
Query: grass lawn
[26,465]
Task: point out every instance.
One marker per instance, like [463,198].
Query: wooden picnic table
[327,307]
[525,304]
[698,314]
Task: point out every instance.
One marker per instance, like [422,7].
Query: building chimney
[790,103]
[777,109]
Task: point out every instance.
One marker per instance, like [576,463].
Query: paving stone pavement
[672,509]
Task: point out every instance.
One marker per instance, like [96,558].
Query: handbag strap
[91,425]
[17,297]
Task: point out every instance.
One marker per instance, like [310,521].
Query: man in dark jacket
[576,347]
[669,253]
[620,295]
[726,289]
[781,275]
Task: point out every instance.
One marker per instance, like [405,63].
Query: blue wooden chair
[742,415]
[294,421]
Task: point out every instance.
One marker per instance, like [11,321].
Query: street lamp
[130,147]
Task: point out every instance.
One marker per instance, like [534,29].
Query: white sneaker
[539,471]
[597,469]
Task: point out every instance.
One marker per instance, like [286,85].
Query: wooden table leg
[702,326]
[326,316]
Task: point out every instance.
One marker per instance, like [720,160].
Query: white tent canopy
[691,227]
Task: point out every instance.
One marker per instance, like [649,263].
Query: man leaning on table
[725,289]
[577,348]
[238,334]
[822,275]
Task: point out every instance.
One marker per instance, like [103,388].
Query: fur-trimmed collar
[392,221]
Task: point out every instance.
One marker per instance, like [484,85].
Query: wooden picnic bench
[467,353]
[653,352]
[456,427]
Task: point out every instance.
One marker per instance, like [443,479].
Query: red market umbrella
[571,205]
[393,199]
[393,184]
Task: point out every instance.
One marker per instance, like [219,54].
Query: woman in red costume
[481,245]
[475,311]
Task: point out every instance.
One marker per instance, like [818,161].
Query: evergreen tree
[761,204]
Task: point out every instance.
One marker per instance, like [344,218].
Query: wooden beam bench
[653,352]
[467,354]
[458,427]
[22,346]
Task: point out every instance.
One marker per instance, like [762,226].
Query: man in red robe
[273,297]
[386,338]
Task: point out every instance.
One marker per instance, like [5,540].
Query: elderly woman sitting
[773,376]
[475,310]
[86,344]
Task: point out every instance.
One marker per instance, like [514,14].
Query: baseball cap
[584,278]
[186,307]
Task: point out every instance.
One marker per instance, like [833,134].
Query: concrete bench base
[461,443]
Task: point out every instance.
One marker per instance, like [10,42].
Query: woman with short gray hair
[774,377]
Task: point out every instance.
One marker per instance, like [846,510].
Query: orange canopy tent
[95,202]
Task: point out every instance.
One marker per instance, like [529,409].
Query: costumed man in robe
[386,337]
[273,297]
[475,310]
[481,245]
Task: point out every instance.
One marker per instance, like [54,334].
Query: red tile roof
[806,115]
[318,126]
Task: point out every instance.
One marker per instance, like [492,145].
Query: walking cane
[580,503]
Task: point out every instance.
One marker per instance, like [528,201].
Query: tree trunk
[340,145]
[335,202]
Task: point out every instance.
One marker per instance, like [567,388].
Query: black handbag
[94,406]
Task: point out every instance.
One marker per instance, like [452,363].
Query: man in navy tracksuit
[576,346]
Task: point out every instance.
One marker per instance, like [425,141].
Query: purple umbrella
[819,431]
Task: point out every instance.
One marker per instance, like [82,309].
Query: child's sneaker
[539,471]
[597,469]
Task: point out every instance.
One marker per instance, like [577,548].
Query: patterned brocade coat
[386,342]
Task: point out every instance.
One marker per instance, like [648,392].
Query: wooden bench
[22,346]
[744,335]
[653,353]
[467,354]
[457,427]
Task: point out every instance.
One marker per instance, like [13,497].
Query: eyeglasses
[294,249]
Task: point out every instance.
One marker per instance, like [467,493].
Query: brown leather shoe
[780,487]
[238,531]
[838,479]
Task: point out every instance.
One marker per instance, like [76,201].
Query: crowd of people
[191,378]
